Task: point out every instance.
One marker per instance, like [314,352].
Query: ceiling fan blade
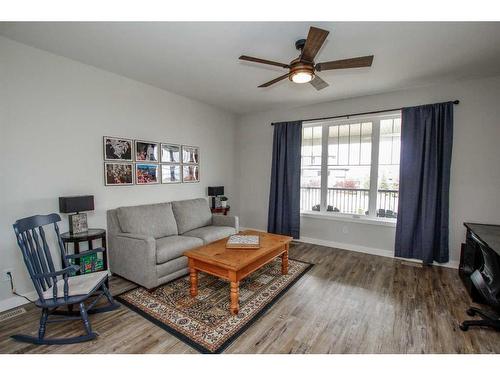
[318,83]
[274,80]
[263,61]
[314,41]
[356,62]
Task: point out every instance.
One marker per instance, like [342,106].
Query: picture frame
[190,154]
[118,149]
[171,173]
[170,153]
[78,223]
[147,174]
[190,173]
[118,174]
[147,152]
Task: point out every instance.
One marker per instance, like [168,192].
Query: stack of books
[89,263]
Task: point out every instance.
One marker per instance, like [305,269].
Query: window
[310,176]
[351,166]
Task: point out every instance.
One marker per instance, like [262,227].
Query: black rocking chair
[59,288]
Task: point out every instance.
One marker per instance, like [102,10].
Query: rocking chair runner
[58,288]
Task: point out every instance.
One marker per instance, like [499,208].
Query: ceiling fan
[303,69]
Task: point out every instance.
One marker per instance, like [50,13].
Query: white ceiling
[200,60]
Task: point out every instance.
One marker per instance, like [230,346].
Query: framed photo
[190,155]
[78,223]
[118,174]
[146,174]
[171,174]
[170,153]
[118,149]
[147,151]
[190,173]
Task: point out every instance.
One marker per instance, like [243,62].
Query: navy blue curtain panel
[284,197]
[426,143]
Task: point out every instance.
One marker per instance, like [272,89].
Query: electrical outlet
[6,277]
[345,229]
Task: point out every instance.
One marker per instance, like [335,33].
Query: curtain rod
[357,114]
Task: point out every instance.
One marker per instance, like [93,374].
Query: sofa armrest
[134,257]
[137,236]
[226,221]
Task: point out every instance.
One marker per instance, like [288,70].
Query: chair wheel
[464,327]
[471,312]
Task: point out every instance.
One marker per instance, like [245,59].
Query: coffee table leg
[193,276]
[284,261]
[235,296]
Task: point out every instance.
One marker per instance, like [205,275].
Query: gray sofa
[146,243]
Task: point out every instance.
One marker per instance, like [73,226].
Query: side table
[89,236]
[220,210]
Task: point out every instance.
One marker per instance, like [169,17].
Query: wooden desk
[471,258]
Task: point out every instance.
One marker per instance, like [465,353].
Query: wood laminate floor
[347,303]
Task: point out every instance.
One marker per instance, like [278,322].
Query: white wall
[54,113]
[475,174]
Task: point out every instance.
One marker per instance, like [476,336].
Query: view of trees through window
[357,154]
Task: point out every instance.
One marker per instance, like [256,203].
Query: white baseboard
[15,301]
[346,246]
[368,250]
[362,249]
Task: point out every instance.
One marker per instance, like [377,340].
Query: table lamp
[74,205]
[214,192]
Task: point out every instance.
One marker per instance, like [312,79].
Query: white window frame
[374,166]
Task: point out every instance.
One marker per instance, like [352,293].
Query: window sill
[349,218]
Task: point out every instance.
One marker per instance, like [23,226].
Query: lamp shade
[214,191]
[76,204]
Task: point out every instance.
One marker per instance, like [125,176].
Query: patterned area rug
[204,322]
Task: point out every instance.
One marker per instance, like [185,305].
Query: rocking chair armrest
[64,271]
[85,253]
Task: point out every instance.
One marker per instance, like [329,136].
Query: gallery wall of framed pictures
[129,162]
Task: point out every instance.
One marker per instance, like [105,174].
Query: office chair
[487,282]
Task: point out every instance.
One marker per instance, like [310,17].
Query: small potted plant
[223,201]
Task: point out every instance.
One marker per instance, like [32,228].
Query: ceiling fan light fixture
[301,72]
[302,77]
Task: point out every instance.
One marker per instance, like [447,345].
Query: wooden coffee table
[235,264]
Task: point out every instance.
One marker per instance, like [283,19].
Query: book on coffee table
[242,241]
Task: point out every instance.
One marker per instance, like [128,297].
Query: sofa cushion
[211,233]
[191,214]
[168,248]
[155,220]
[172,269]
